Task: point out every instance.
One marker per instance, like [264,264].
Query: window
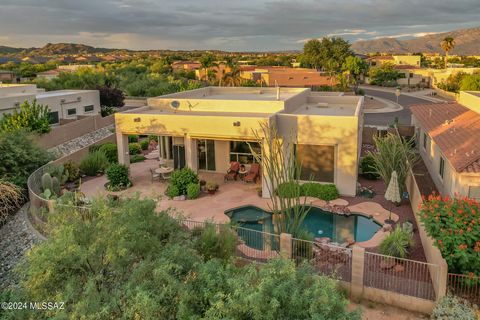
[474,192]
[54,117]
[72,111]
[88,108]
[318,162]
[411,75]
[441,170]
[240,151]
[206,155]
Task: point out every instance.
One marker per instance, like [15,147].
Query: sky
[234,25]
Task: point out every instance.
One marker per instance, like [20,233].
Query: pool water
[318,222]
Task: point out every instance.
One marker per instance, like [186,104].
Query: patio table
[163,170]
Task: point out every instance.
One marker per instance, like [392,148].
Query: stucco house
[207,128]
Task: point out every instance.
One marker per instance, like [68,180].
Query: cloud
[218,24]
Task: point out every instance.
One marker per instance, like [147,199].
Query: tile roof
[456,131]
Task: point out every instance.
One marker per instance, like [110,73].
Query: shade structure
[393,191]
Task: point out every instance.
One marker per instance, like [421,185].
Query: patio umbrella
[392,193]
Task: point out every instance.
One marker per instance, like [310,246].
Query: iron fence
[465,286]
[408,277]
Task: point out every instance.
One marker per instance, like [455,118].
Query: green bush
[144,144]
[132,138]
[368,168]
[182,178]
[118,177]
[451,307]
[73,171]
[94,147]
[94,163]
[137,158]
[172,191]
[325,192]
[110,150]
[397,244]
[212,244]
[289,190]
[30,117]
[193,191]
[134,148]
[152,138]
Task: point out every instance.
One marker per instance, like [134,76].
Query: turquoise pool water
[318,222]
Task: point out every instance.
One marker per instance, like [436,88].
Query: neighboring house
[64,104]
[51,74]
[407,60]
[448,136]
[7,76]
[288,77]
[48,75]
[409,76]
[207,128]
[185,65]
[376,61]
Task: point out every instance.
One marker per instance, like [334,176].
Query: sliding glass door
[206,155]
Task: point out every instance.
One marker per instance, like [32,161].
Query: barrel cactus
[46,181]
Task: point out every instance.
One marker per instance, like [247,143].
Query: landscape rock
[180,198]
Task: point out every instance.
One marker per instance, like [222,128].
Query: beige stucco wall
[411,60]
[88,97]
[470,100]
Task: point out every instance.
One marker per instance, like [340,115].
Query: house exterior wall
[411,60]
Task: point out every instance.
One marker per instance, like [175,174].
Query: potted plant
[212,187]
[203,185]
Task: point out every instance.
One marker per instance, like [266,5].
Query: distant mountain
[51,49]
[9,50]
[467,42]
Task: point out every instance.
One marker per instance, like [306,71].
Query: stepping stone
[338,202]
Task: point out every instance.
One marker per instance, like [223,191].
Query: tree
[470,82]
[327,54]
[447,44]
[31,117]
[452,83]
[232,78]
[111,97]
[384,75]
[207,61]
[355,67]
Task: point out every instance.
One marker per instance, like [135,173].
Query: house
[185,65]
[288,77]
[410,76]
[65,105]
[48,75]
[407,60]
[375,61]
[7,76]
[207,128]
[448,136]
[51,74]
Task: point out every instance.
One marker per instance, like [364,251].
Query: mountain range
[51,49]
[467,42]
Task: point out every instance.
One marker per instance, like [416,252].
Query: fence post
[358,265]
[286,245]
[442,280]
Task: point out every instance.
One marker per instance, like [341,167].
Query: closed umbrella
[393,193]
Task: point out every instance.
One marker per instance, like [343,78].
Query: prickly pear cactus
[46,181]
[56,186]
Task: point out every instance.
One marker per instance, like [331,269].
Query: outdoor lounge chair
[253,174]
[232,172]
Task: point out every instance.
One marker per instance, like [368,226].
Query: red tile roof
[456,131]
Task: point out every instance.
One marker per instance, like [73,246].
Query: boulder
[180,198]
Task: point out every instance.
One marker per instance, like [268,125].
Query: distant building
[51,74]
[64,104]
[186,65]
[8,76]
[288,77]
[407,60]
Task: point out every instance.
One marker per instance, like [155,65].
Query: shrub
[289,190]
[172,191]
[132,138]
[144,144]
[182,178]
[368,168]
[212,244]
[397,243]
[118,177]
[134,148]
[453,224]
[451,307]
[110,150]
[94,147]
[11,199]
[73,171]
[361,92]
[325,192]
[152,138]
[137,158]
[31,117]
[193,191]
[94,163]
[211,186]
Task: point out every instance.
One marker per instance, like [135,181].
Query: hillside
[467,43]
[9,50]
[65,48]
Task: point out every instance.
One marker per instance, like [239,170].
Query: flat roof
[151,110]
[326,109]
[59,93]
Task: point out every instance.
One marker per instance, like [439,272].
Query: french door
[206,154]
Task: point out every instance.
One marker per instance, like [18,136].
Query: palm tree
[447,44]
[232,78]
[207,61]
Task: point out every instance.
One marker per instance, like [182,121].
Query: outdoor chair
[253,174]
[166,176]
[154,175]
[232,172]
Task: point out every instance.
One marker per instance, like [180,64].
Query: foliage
[110,150]
[11,199]
[144,144]
[454,225]
[325,192]
[193,190]
[30,116]
[94,163]
[452,307]
[452,83]
[133,138]
[19,157]
[384,75]
[134,148]
[470,82]
[393,154]
[172,191]
[355,66]
[368,168]
[73,171]
[289,190]
[212,244]
[50,186]
[137,158]
[328,54]
[105,111]
[181,178]
[212,186]
[397,244]
[118,177]
[111,97]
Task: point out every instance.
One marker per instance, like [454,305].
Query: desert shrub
[193,190]
[134,148]
[73,171]
[144,144]
[397,244]
[11,199]
[181,178]
[30,117]
[212,244]
[172,191]
[451,307]
[453,224]
[110,150]
[19,157]
[368,168]
[153,138]
[118,177]
[325,192]
[137,158]
[94,147]
[94,163]
[361,92]
[289,190]
[132,138]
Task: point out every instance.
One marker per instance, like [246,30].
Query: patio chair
[166,176]
[253,174]
[154,175]
[232,172]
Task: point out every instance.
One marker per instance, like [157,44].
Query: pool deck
[232,194]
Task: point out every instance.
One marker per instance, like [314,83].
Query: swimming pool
[320,223]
